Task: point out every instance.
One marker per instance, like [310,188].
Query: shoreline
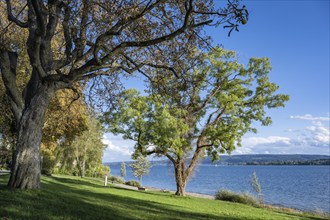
[197,195]
[277,207]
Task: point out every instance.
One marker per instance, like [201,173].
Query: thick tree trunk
[182,173]
[180,178]
[25,172]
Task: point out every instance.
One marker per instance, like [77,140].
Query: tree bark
[180,178]
[182,173]
[25,172]
[83,168]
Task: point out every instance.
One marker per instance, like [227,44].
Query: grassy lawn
[64,197]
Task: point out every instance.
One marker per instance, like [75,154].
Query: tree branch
[81,41]
[66,30]
[8,64]
[14,19]
[170,158]
[186,25]
[54,10]
[40,12]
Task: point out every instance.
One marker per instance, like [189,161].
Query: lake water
[301,187]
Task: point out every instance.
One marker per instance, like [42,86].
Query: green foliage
[83,155]
[123,169]
[116,179]
[205,110]
[98,171]
[5,157]
[141,166]
[213,104]
[48,162]
[255,183]
[244,198]
[133,183]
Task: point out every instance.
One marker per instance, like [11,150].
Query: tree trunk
[182,173]
[25,171]
[180,178]
[83,168]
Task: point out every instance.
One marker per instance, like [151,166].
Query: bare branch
[66,30]
[81,41]
[54,10]
[40,12]
[8,64]
[14,19]
[120,25]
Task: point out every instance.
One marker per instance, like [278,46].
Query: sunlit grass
[64,197]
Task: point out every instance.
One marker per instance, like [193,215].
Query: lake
[301,187]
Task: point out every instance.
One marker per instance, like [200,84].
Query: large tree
[206,112]
[75,41]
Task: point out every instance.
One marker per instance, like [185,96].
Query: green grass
[64,197]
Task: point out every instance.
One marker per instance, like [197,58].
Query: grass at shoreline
[64,197]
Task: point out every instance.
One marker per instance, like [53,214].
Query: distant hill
[262,159]
[272,159]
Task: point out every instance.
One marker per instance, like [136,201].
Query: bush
[98,171]
[133,183]
[116,179]
[244,198]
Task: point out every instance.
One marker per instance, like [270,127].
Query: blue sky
[295,36]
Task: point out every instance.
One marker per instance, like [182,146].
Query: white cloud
[319,133]
[243,150]
[119,151]
[310,117]
[111,147]
[314,139]
[254,141]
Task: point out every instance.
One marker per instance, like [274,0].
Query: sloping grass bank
[64,197]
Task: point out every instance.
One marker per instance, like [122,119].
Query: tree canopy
[74,41]
[205,112]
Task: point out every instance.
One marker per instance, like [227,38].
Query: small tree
[140,167]
[123,169]
[255,183]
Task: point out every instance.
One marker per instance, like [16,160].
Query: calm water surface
[301,187]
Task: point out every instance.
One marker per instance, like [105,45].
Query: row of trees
[71,140]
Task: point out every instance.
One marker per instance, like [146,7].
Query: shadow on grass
[82,181]
[60,199]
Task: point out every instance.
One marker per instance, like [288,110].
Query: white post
[105,180]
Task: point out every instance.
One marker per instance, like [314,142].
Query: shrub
[244,198]
[133,183]
[98,171]
[255,183]
[116,179]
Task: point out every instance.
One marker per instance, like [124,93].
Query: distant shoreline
[260,159]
